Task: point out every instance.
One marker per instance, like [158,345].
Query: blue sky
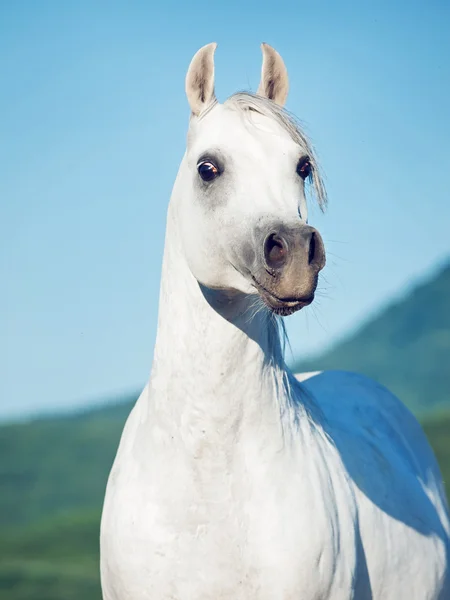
[93,120]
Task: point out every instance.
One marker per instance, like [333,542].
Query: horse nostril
[316,251]
[312,248]
[275,251]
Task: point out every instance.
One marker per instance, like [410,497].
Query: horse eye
[304,168]
[207,171]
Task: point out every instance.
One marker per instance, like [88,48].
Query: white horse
[234,479]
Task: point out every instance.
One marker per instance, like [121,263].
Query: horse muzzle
[287,267]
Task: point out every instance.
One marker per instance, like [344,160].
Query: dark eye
[207,170]
[304,168]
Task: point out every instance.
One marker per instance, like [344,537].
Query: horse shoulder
[358,408]
[397,485]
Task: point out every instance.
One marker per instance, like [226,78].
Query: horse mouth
[281,306]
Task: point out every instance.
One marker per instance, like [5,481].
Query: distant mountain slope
[405,347]
[52,465]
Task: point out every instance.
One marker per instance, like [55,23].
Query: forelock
[246,103]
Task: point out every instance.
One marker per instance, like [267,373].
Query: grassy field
[55,559]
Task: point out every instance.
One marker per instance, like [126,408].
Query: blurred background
[93,119]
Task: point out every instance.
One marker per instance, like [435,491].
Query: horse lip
[285,305]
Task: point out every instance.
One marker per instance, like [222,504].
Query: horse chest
[250,535]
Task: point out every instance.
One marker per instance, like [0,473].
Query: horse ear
[274,78]
[200,79]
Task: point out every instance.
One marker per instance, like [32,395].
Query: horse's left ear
[274,78]
[200,79]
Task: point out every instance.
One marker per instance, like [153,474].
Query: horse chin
[282,307]
[285,311]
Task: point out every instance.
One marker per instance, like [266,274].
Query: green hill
[52,465]
[437,429]
[406,347]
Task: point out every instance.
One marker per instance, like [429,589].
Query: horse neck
[208,369]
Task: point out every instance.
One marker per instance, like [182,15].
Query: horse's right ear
[200,79]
